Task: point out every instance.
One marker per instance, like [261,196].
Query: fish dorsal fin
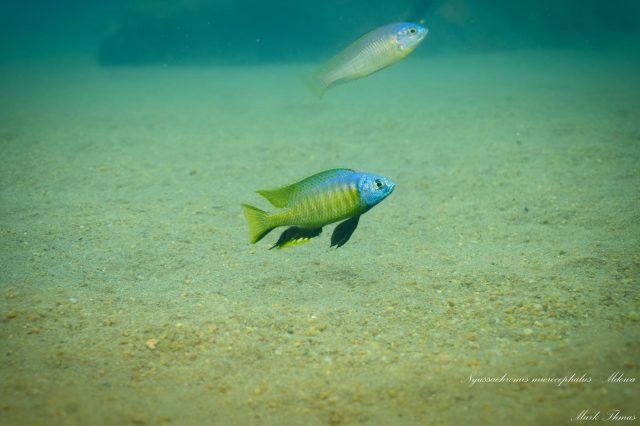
[288,195]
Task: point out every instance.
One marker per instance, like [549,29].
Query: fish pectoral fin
[343,231]
[296,235]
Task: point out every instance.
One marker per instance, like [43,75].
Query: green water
[129,293]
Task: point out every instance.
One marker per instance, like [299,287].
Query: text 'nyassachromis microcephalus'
[370,53]
[316,201]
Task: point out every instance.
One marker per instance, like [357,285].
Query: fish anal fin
[343,231]
[296,235]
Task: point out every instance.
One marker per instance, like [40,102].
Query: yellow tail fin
[258,223]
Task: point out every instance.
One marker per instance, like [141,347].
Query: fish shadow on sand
[325,278]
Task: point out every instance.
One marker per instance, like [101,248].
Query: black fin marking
[295,235]
[343,231]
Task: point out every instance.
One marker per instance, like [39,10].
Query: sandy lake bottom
[506,260]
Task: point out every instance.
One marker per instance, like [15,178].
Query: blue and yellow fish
[370,53]
[321,199]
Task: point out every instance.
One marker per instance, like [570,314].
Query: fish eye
[379,183]
[412,31]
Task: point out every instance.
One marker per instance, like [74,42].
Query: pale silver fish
[370,53]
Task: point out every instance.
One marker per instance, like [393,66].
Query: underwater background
[498,284]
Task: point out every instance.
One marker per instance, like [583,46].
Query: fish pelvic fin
[316,84]
[258,220]
[295,235]
[343,231]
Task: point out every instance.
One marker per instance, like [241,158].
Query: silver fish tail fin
[316,83]
[258,220]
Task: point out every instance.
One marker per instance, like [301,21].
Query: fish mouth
[392,186]
[423,34]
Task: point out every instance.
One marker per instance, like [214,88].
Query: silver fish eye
[379,183]
[412,30]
